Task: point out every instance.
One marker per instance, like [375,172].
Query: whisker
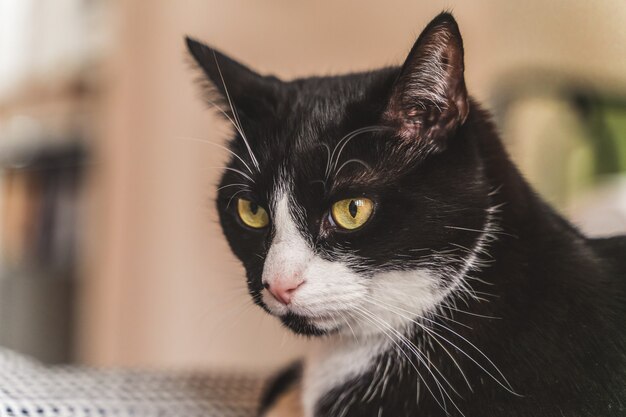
[353,160]
[508,388]
[473,278]
[404,295]
[346,139]
[496,190]
[347,321]
[367,316]
[470,313]
[373,300]
[238,172]
[233,196]
[225,114]
[234,110]
[326,170]
[320,181]
[233,185]
[494,232]
[219,146]
[443,316]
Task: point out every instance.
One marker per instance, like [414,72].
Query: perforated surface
[28,388]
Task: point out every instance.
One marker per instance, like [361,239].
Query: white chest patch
[333,363]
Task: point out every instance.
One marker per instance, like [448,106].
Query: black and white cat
[380,211]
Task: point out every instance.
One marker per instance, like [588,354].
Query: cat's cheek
[397,297]
[329,289]
[327,325]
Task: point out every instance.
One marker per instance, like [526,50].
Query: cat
[380,212]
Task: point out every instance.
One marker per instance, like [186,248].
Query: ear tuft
[220,69]
[235,84]
[429,100]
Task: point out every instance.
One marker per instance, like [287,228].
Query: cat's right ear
[232,84]
[428,100]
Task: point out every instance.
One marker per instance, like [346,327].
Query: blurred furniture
[568,136]
[41,189]
[48,96]
[28,388]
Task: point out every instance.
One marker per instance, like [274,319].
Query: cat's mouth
[301,319]
[305,323]
[310,326]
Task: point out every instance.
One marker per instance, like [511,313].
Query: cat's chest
[334,365]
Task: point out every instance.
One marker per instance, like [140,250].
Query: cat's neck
[335,360]
[520,203]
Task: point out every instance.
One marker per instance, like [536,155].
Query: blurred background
[110,253]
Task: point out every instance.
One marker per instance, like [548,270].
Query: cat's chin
[308,326]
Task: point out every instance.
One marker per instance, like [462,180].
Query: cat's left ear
[429,101]
[232,83]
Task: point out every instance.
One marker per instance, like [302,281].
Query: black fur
[279,384]
[558,298]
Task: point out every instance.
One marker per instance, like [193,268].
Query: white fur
[333,362]
[329,289]
[395,296]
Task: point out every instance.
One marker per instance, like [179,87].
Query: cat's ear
[231,83]
[428,101]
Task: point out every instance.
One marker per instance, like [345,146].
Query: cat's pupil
[352,208]
[254,207]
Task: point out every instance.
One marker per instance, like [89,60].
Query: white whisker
[353,160]
[471,314]
[506,386]
[234,110]
[345,140]
[421,325]
[219,146]
[233,196]
[328,157]
[422,358]
[427,330]
[467,229]
[238,172]
[232,185]
[367,316]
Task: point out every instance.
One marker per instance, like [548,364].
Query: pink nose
[283,290]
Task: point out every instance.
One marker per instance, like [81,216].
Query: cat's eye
[352,213]
[251,214]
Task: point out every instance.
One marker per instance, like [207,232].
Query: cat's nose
[284,289]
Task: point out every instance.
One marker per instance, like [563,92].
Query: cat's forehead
[311,173]
[314,113]
[320,102]
[317,134]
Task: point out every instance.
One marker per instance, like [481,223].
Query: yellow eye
[251,214]
[352,213]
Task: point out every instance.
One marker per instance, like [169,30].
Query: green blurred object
[605,120]
[566,134]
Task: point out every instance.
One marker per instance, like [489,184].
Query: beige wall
[163,289]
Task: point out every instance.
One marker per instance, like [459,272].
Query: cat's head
[357,198]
